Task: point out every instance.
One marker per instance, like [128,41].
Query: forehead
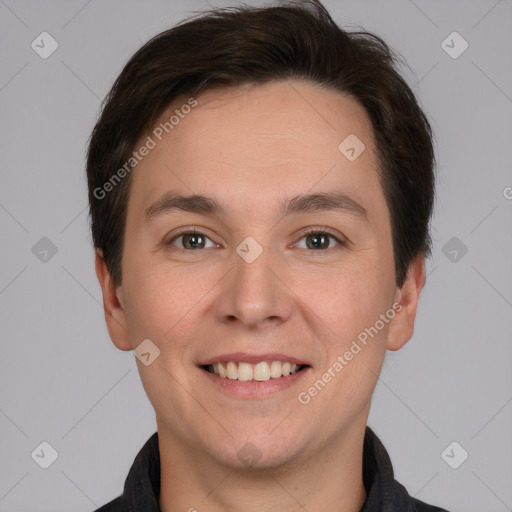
[259,143]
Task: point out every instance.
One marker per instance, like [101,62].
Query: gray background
[64,382]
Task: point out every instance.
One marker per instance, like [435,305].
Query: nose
[255,293]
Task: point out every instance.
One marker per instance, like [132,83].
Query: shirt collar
[142,485]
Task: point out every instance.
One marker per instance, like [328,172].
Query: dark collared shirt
[384,493]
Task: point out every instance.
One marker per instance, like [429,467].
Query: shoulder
[421,506]
[112,506]
[142,485]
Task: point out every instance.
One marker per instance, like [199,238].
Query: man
[261,184]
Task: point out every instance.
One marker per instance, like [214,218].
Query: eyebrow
[302,204]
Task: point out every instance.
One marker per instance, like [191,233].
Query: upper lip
[244,357]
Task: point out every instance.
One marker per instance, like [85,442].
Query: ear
[401,328]
[113,305]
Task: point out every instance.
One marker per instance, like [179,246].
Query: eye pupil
[321,240]
[193,240]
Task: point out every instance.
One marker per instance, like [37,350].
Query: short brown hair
[236,45]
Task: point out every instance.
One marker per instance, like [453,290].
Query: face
[259,280]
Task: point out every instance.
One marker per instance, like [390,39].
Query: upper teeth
[261,371]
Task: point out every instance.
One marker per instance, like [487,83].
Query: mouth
[254,376]
[261,371]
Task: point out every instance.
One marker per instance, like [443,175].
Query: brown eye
[319,240]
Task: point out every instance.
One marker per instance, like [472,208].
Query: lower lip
[255,389]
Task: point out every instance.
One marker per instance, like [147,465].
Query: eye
[318,239]
[191,240]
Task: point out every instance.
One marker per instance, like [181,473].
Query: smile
[246,372]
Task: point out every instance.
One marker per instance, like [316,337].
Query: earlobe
[113,305]
[401,328]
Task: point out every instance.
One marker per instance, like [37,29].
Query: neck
[331,481]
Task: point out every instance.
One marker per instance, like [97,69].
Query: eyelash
[309,231]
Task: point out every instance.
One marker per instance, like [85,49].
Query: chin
[256,449]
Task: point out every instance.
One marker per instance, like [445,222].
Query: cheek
[154,301]
[353,339]
[345,301]
[164,303]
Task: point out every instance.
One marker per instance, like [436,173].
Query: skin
[251,147]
